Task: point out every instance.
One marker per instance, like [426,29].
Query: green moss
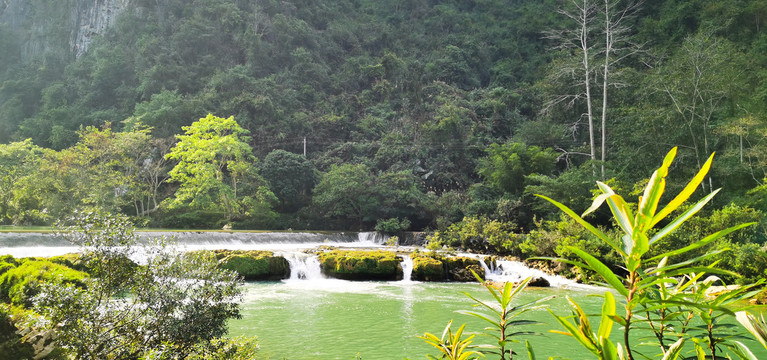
[20,284]
[71,260]
[361,264]
[460,269]
[427,268]
[437,267]
[254,265]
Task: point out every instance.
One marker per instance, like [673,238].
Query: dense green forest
[387,115]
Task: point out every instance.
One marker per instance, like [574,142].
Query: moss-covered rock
[254,265]
[18,285]
[460,269]
[38,343]
[427,268]
[437,267]
[361,264]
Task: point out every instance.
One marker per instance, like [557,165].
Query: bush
[126,311]
[18,285]
[361,265]
[480,234]
[392,226]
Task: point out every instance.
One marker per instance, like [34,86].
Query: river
[310,317]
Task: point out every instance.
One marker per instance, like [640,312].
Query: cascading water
[372,237]
[304,266]
[407,267]
[516,271]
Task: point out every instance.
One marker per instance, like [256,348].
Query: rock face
[62,28]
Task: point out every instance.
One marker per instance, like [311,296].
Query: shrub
[18,285]
[392,226]
[480,234]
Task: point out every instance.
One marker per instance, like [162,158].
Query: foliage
[392,226]
[215,169]
[451,346]
[291,177]
[644,273]
[503,315]
[126,311]
[238,348]
[507,165]
[480,234]
[19,285]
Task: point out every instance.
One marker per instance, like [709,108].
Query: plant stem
[627,328]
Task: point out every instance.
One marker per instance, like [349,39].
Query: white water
[290,245]
[516,271]
[372,237]
[304,266]
[407,267]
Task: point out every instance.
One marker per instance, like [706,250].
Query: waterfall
[516,271]
[304,266]
[407,267]
[373,237]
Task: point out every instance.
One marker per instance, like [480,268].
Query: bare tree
[588,18]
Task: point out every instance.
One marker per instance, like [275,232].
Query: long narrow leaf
[573,331]
[703,242]
[685,193]
[682,218]
[586,224]
[602,270]
[608,309]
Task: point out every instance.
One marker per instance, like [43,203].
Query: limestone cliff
[61,27]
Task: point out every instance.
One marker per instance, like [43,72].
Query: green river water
[334,319]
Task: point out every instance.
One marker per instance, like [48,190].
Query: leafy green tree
[507,165]
[291,177]
[344,192]
[19,166]
[128,310]
[214,164]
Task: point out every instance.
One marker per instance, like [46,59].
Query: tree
[507,165]
[588,18]
[19,166]
[127,310]
[699,85]
[214,163]
[344,192]
[290,176]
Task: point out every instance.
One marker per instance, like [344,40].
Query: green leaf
[674,350]
[703,242]
[682,218]
[585,224]
[685,193]
[602,270]
[608,310]
[530,353]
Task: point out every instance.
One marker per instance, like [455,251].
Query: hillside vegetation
[413,114]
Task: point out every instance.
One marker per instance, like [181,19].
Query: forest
[384,115]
